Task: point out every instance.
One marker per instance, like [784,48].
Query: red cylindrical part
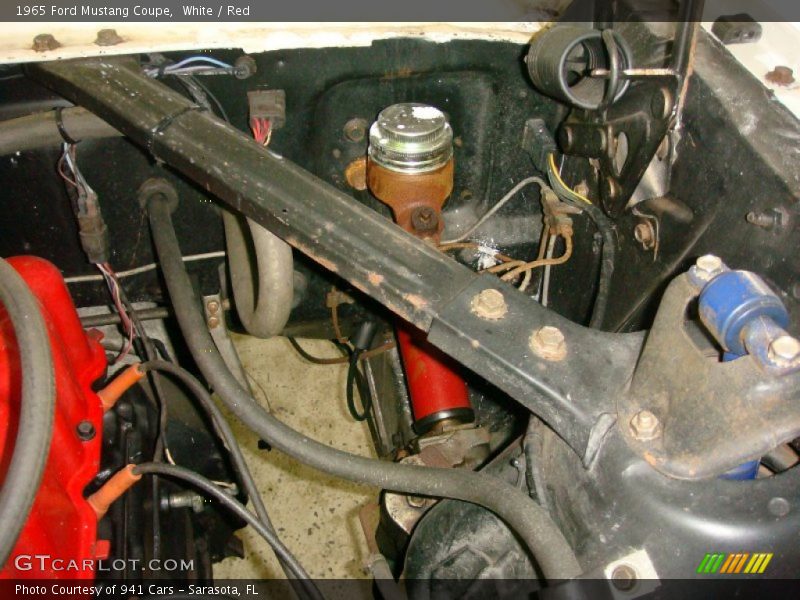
[437,392]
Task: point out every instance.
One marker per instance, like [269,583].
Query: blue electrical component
[743,472]
[733,299]
[728,304]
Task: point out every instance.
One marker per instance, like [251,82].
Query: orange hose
[112,489]
[119,385]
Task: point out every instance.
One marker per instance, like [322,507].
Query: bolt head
[784,348]
[85,431]
[45,42]
[490,304]
[213,306]
[213,322]
[108,37]
[548,343]
[355,130]
[624,578]
[645,426]
[709,264]
[424,219]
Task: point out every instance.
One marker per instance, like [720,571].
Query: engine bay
[562,277]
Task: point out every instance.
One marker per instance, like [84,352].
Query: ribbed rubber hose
[37,405]
[262,275]
[544,540]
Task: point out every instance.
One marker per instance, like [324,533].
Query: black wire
[225,433]
[161,439]
[607,254]
[213,98]
[310,358]
[237,509]
[363,390]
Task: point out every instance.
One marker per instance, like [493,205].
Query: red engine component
[436,390]
[61,525]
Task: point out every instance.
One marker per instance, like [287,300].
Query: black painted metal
[410,278]
[711,411]
[575,396]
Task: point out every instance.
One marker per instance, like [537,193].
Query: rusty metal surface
[410,194]
[706,402]
[713,415]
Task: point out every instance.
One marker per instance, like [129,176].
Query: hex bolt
[645,426]
[489,304]
[108,37]
[355,129]
[623,578]
[244,67]
[548,343]
[424,219]
[45,42]
[213,322]
[85,431]
[784,349]
[708,266]
[212,306]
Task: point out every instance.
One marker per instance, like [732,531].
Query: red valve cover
[61,524]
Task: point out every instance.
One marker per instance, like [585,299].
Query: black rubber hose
[607,258]
[236,508]
[37,406]
[363,391]
[40,129]
[533,524]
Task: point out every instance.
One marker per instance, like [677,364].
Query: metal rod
[689,15]
[145,314]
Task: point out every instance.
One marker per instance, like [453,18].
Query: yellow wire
[556,174]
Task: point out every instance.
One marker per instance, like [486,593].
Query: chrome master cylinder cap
[411,138]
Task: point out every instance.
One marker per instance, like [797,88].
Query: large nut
[490,304]
[708,266]
[549,343]
[784,349]
[645,426]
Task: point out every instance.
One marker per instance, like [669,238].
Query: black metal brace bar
[575,395]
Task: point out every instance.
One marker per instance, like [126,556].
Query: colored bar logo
[735,563]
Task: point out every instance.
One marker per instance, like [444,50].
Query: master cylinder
[410,168]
